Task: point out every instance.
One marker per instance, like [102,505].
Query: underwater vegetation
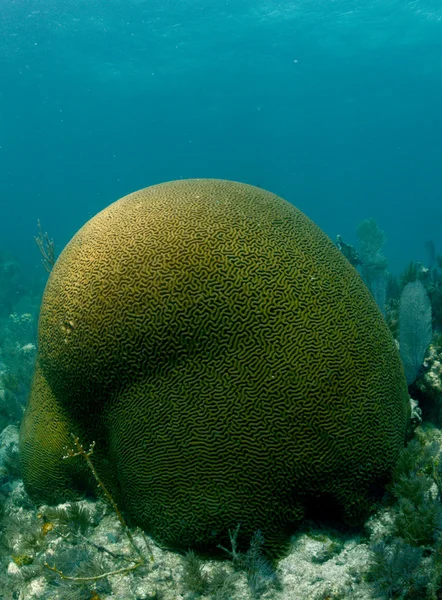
[411,302]
[430,277]
[406,562]
[427,388]
[260,572]
[415,328]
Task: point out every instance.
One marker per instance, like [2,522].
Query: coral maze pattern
[226,358]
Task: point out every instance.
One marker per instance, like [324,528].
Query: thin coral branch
[101,548]
[95,577]
[148,547]
[80,451]
[46,247]
[70,453]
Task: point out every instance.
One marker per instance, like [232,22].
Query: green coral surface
[226,359]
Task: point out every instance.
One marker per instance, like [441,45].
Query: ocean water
[332,104]
[335,105]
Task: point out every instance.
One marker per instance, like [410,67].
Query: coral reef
[69,551]
[415,328]
[216,346]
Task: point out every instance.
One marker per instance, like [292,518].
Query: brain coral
[227,360]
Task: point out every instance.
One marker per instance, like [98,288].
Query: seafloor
[323,563]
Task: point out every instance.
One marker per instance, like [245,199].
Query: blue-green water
[335,105]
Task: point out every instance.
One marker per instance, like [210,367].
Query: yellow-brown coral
[226,359]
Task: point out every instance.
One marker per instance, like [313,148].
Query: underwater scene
[220,299]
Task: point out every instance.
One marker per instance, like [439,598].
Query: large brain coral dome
[227,360]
